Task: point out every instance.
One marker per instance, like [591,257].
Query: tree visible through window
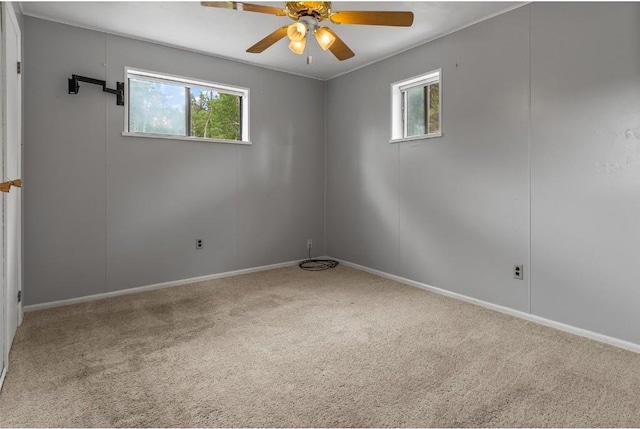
[215,115]
[169,106]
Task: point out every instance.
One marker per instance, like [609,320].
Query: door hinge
[19,67]
[19,296]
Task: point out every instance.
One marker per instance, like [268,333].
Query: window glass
[215,115]
[156,108]
[415,111]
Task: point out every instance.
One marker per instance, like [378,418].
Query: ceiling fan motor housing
[318,9]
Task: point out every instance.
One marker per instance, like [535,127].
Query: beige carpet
[294,348]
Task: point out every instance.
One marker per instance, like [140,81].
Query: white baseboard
[516,313]
[63,302]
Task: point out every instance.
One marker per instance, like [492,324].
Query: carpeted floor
[294,348]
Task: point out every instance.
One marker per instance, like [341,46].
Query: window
[174,107]
[415,108]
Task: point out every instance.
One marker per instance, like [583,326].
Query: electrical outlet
[518,272]
[199,243]
[309,243]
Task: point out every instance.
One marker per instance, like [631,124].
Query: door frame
[4,349]
[8,14]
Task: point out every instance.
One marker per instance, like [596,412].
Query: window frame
[399,111]
[243,93]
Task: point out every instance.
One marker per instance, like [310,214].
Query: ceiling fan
[307,16]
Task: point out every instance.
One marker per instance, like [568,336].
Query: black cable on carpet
[317,264]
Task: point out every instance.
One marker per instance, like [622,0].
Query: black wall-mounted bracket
[74,87]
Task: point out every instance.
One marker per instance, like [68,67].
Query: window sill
[183,138]
[413,138]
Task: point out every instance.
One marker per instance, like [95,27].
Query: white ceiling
[228,33]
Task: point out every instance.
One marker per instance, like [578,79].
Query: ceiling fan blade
[249,7]
[394,19]
[339,48]
[269,40]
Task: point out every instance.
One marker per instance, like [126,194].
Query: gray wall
[106,212]
[451,212]
[540,154]
[585,166]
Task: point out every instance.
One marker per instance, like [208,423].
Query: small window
[173,107]
[415,108]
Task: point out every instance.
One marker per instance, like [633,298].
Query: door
[3,289]
[12,200]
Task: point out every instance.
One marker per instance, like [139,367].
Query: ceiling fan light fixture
[297,47]
[307,15]
[296,31]
[325,38]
